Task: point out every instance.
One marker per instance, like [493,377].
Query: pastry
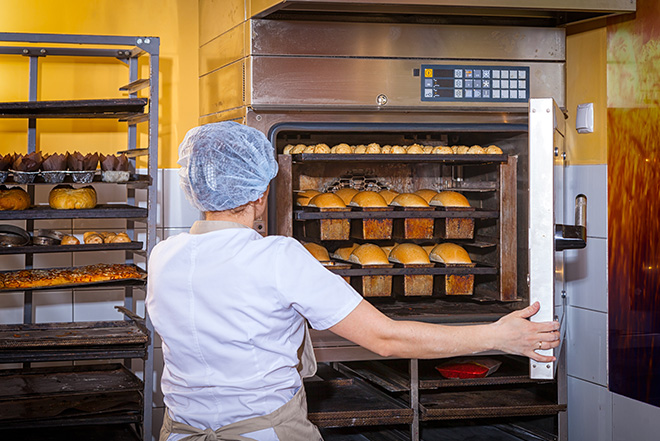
[36,278]
[65,197]
[14,198]
[69,240]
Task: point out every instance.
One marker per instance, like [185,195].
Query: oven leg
[414,399]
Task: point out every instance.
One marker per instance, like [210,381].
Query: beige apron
[289,421]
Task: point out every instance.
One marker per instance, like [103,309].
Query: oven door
[546,201]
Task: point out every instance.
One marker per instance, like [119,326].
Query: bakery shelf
[134,180]
[99,432]
[438,269]
[101,211]
[73,341]
[381,157]
[488,403]
[69,396]
[40,249]
[365,434]
[310,213]
[98,108]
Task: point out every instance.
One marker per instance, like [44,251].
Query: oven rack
[135,180]
[312,213]
[40,249]
[393,158]
[398,270]
[101,211]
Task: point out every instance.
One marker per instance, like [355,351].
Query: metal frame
[127,49]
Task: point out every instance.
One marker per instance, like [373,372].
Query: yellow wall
[586,82]
[174,21]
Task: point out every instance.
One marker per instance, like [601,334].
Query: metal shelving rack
[129,339]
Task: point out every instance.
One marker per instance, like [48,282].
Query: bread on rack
[327,200]
[442,150]
[414,149]
[69,240]
[409,200]
[398,150]
[368,199]
[65,197]
[449,253]
[388,249]
[409,253]
[346,194]
[493,150]
[304,196]
[319,252]
[321,148]
[449,199]
[388,195]
[342,148]
[14,198]
[426,193]
[476,150]
[344,253]
[373,148]
[118,238]
[92,237]
[368,254]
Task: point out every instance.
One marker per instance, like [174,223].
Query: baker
[233,307]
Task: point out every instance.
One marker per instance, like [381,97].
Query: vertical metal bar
[414,398]
[32,96]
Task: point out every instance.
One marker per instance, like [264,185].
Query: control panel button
[468,83]
[458,93]
[477,93]
[513,74]
[522,84]
[458,83]
[522,74]
[485,84]
[477,73]
[505,84]
[428,93]
[486,93]
[505,94]
[496,93]
[468,93]
[485,74]
[522,94]
[513,94]
[468,73]
[496,74]
[458,73]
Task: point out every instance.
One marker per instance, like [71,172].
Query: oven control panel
[470,83]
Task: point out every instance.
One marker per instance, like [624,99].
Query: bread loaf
[476,150]
[408,253]
[319,252]
[119,238]
[388,195]
[304,196]
[342,149]
[493,150]
[14,198]
[65,197]
[327,200]
[321,148]
[449,253]
[92,237]
[415,149]
[443,150]
[368,254]
[69,240]
[426,193]
[449,199]
[368,199]
[346,194]
[409,200]
[344,253]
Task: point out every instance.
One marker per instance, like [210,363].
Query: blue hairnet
[225,165]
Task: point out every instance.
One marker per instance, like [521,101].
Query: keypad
[475,83]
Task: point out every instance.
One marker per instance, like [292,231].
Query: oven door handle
[572,237]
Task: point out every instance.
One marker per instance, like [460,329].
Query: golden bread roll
[415,149]
[14,198]
[65,197]
[428,248]
[344,253]
[373,148]
[304,196]
[327,200]
[476,150]
[318,251]
[298,149]
[108,237]
[343,149]
[360,149]
[409,200]
[69,240]
[449,199]
[386,149]
[449,253]
[388,249]
[388,195]
[442,150]
[91,237]
[398,150]
[461,150]
[287,149]
[409,253]
[346,194]
[426,193]
[368,254]
[493,150]
[309,149]
[120,238]
[368,199]
[321,148]
[427,149]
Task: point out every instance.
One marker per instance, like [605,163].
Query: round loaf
[305,196]
[368,254]
[449,253]
[309,149]
[409,200]
[65,197]
[493,150]
[388,249]
[476,150]
[287,149]
[426,193]
[344,253]
[327,200]
[373,148]
[298,149]
[461,149]
[346,194]
[14,198]
[318,251]
[386,149]
[321,148]
[368,199]
[91,237]
[360,149]
[449,199]
[388,195]
[398,150]
[415,149]
[342,149]
[409,253]
[69,240]
[120,238]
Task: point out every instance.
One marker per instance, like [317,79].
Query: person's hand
[515,334]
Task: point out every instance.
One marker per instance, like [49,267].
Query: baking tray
[128,281]
[99,212]
[98,108]
[12,239]
[393,158]
[35,249]
[308,213]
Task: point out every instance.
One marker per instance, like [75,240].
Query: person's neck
[245,217]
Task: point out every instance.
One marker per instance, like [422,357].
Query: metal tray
[13,238]
[389,158]
[101,211]
[34,249]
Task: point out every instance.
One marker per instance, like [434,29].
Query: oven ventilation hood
[546,13]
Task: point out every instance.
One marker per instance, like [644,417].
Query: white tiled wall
[174,215]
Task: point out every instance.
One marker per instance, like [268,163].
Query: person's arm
[513,334]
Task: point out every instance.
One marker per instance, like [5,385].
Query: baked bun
[426,193]
[461,149]
[120,238]
[409,200]
[344,253]
[368,254]
[398,150]
[449,199]
[299,148]
[69,240]
[14,198]
[65,197]
[386,149]
[108,237]
[443,150]
[321,148]
[327,200]
[388,195]
[304,196]
[318,251]
[449,253]
[409,253]
[493,150]
[309,149]
[476,150]
[342,149]
[346,194]
[415,149]
[428,248]
[368,199]
[388,249]
[287,149]
[373,148]
[92,237]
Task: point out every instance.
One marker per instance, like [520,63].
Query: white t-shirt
[230,307]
